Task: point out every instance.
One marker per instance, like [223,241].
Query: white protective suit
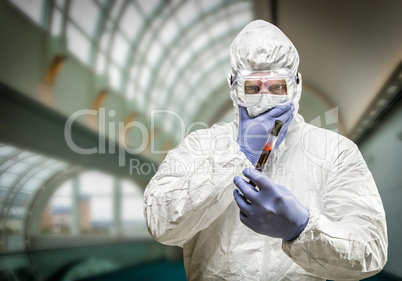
[189,202]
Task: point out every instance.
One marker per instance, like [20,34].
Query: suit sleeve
[193,186]
[348,240]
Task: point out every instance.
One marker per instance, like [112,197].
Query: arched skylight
[22,173]
[157,54]
[105,205]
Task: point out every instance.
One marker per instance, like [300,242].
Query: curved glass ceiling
[158,54]
[22,173]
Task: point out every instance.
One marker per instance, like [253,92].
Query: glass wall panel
[85,15]
[56,216]
[132,210]
[147,7]
[96,203]
[131,21]
[119,50]
[22,174]
[78,44]
[32,8]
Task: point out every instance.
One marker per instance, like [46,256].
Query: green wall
[382,150]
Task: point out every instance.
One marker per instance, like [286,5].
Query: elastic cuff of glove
[305,234]
[300,230]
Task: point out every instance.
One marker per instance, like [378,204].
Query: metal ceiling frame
[35,209]
[41,129]
[115,28]
[198,20]
[100,29]
[207,72]
[159,9]
[15,190]
[137,41]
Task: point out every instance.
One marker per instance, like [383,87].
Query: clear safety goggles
[270,87]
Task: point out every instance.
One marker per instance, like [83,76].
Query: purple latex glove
[253,132]
[273,210]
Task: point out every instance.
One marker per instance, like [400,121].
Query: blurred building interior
[94,93]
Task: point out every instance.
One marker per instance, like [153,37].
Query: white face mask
[267,102]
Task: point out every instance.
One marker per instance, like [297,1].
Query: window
[147,6]
[22,174]
[120,49]
[78,44]
[101,63]
[56,23]
[187,12]
[133,222]
[115,77]
[96,203]
[56,217]
[32,8]
[116,9]
[131,21]
[84,14]
[169,31]
[84,205]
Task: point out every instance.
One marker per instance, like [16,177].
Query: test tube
[269,145]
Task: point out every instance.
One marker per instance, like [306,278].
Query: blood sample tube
[269,145]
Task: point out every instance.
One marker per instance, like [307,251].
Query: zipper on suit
[271,162]
[265,260]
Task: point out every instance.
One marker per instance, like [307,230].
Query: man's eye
[252,89]
[278,89]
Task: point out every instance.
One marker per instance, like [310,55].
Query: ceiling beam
[27,124]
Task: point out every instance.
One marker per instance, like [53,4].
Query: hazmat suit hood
[261,45]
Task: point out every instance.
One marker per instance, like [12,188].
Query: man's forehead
[265,74]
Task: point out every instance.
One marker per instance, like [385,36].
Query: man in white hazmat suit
[316,213]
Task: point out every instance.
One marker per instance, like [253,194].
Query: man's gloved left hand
[254,132]
[273,210]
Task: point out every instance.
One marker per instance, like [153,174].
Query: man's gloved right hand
[253,132]
[271,210]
